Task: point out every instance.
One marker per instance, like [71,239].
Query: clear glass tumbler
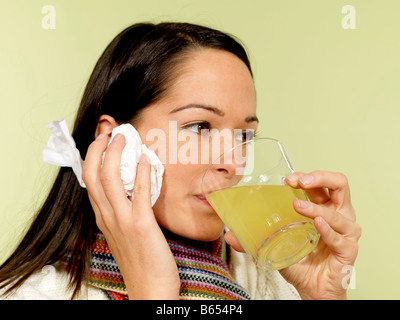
[245,186]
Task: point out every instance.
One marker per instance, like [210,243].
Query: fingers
[142,189]
[91,172]
[105,187]
[337,221]
[110,175]
[335,182]
[324,186]
[339,233]
[233,242]
[93,160]
[103,178]
[330,208]
[315,194]
[346,249]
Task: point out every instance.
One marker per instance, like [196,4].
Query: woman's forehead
[212,77]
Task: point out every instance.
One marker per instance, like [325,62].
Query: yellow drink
[264,221]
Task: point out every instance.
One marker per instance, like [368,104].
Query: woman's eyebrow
[251,119]
[200,106]
[215,110]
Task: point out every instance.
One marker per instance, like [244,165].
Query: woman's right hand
[131,229]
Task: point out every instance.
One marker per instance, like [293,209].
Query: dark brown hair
[133,72]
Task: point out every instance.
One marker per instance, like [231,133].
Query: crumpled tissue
[61,151]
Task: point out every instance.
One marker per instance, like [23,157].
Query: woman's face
[214,90]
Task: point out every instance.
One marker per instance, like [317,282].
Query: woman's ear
[105,125]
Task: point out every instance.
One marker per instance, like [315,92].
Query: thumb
[233,242]
[141,191]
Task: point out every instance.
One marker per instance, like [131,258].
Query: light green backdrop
[330,94]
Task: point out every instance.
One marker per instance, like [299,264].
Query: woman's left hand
[324,273]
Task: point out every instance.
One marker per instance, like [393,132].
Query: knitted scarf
[203,272]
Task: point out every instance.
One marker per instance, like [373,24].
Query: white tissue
[61,151]
[134,148]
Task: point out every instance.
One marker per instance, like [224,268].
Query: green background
[331,95]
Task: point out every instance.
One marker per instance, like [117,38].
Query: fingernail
[307,179]
[322,221]
[302,204]
[100,136]
[292,178]
[117,136]
[143,158]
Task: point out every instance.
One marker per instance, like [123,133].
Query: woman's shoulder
[52,283]
[261,284]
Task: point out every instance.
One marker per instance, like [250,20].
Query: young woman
[95,243]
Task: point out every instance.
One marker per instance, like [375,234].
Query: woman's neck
[209,246]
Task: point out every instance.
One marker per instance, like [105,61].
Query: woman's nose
[221,176]
[226,172]
[229,170]
[232,161]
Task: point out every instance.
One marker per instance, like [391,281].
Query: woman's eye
[204,128]
[197,127]
[245,135]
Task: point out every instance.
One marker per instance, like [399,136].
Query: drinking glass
[246,187]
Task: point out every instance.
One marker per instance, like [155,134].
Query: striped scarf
[203,272]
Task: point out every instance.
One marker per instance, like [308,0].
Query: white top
[51,283]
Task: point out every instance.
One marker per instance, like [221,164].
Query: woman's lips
[203,200]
